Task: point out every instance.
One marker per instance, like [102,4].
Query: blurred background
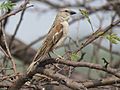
[37,21]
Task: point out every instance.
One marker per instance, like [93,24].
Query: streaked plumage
[55,36]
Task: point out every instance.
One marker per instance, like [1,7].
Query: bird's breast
[65,32]
[65,27]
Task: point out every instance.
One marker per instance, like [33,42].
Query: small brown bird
[55,36]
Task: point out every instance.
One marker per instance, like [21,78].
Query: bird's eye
[66,10]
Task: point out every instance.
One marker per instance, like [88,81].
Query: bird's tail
[41,53]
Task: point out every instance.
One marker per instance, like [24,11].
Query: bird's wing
[53,36]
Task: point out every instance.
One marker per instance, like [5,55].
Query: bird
[56,35]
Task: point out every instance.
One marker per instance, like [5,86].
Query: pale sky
[35,24]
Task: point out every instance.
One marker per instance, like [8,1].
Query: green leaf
[100,33]
[74,57]
[86,14]
[113,38]
[7,5]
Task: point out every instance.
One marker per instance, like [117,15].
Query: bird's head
[65,14]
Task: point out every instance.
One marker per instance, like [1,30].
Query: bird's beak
[72,12]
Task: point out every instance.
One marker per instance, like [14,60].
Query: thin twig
[15,12]
[8,51]
[97,34]
[17,27]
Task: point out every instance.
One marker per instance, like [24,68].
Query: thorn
[82,56]
[106,62]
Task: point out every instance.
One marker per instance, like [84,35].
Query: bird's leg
[59,57]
